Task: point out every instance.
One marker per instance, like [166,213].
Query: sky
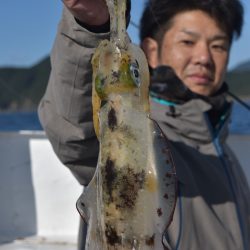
[28,29]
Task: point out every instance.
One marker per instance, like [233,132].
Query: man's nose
[202,55]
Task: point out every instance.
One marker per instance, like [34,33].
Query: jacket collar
[191,119]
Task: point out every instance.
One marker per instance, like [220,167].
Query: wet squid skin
[130,201]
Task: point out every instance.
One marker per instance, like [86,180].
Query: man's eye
[219,47]
[134,70]
[187,42]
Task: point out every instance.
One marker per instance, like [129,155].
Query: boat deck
[39,243]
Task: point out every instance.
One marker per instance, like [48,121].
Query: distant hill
[22,88]
[238,80]
[245,66]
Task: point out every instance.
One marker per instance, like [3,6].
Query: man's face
[198,50]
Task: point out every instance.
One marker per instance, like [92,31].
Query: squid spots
[166,196]
[150,241]
[159,212]
[111,235]
[112,119]
[131,183]
[122,185]
[110,175]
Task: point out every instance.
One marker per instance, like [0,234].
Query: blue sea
[240,120]
[29,121]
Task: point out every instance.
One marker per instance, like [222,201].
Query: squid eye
[134,70]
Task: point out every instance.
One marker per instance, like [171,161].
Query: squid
[129,203]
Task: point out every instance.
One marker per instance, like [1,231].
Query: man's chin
[203,90]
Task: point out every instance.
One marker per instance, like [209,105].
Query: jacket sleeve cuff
[81,35]
[95,29]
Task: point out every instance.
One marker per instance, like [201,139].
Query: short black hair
[158,14]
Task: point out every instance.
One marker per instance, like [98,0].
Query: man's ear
[150,48]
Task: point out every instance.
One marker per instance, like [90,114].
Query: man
[189,102]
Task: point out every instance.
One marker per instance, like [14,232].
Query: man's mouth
[200,79]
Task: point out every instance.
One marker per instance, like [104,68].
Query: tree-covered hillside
[239,83]
[22,88]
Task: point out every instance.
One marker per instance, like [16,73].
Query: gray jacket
[213,206]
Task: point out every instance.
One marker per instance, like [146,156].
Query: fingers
[92,12]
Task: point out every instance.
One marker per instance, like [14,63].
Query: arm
[65,111]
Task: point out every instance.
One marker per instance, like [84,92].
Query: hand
[91,12]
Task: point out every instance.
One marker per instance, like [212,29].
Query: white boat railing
[37,192]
